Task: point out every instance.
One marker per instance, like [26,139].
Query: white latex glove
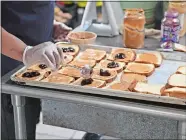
[46,53]
[62,25]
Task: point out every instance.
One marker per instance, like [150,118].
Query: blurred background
[71,12]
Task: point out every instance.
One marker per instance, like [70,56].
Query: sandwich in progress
[81,63]
[90,82]
[112,65]
[70,71]
[130,77]
[124,86]
[122,55]
[105,75]
[150,58]
[93,54]
[58,78]
[140,68]
[69,49]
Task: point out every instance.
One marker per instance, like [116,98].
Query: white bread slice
[177,80]
[175,92]
[58,78]
[155,58]
[104,63]
[70,71]
[140,68]
[179,47]
[63,45]
[132,76]
[148,88]
[181,70]
[96,83]
[130,55]
[93,54]
[108,79]
[81,63]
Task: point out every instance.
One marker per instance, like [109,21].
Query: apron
[30,21]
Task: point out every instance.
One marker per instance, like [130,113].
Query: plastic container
[170,29]
[180,6]
[133,31]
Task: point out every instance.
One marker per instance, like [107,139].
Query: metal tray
[160,76]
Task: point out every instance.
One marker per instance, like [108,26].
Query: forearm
[12,46]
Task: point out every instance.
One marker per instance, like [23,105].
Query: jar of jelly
[170,28]
[133,31]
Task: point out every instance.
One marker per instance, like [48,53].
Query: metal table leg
[18,103]
[182,130]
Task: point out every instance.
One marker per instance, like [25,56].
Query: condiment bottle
[180,6]
[170,28]
[133,31]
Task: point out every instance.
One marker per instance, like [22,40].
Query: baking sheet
[160,76]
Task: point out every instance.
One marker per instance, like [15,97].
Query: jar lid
[171,13]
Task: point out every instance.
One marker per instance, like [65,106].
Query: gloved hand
[46,53]
[62,25]
[60,31]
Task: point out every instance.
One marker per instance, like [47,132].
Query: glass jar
[170,28]
[133,31]
[180,6]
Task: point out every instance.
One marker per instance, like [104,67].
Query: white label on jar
[181,18]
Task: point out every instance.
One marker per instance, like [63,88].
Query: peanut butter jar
[133,31]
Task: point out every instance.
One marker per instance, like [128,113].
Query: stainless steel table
[19,93]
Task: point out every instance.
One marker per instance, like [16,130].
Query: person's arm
[44,53]
[12,46]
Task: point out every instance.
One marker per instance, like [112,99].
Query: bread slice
[41,75]
[81,63]
[58,78]
[124,86]
[68,58]
[70,71]
[148,88]
[75,47]
[175,92]
[177,80]
[129,77]
[179,47]
[129,55]
[93,54]
[108,79]
[150,58]
[96,83]
[39,67]
[104,63]
[181,70]
[140,68]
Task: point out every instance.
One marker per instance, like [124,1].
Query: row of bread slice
[176,84]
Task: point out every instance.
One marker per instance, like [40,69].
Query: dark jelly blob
[30,74]
[112,65]
[42,66]
[86,81]
[104,72]
[120,56]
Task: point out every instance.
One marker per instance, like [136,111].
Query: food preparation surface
[160,76]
